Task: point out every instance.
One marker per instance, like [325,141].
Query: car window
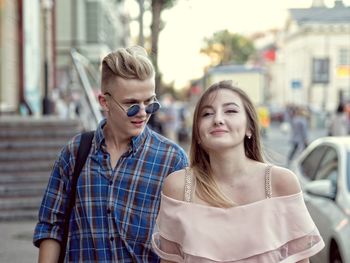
[311,163]
[328,168]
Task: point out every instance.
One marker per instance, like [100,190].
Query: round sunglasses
[135,108]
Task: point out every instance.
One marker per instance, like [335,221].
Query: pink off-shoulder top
[277,229]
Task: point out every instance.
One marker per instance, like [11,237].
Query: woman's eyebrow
[207,107]
[231,104]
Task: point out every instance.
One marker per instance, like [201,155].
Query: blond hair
[206,187]
[126,63]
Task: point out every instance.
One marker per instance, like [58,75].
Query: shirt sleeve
[182,160]
[54,202]
[301,248]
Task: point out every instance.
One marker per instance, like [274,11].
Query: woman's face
[222,121]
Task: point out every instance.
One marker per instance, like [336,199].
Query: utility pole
[47,8]
[141,39]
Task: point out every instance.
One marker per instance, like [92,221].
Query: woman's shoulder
[284,182]
[174,185]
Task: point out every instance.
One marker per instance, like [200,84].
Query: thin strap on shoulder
[268,188]
[188,186]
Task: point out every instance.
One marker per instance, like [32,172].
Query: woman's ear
[103,102]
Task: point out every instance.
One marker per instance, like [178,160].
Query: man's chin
[137,131]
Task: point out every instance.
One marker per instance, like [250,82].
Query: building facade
[36,37]
[92,27]
[312,65]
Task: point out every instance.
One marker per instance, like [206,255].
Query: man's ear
[103,102]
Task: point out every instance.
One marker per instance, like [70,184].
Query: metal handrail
[93,106]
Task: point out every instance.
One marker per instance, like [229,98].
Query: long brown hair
[206,188]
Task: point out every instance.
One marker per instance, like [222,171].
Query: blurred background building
[312,65]
[36,41]
[49,75]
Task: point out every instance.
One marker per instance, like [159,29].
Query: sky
[190,21]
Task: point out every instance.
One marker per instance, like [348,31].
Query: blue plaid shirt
[116,208]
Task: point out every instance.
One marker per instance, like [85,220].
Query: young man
[118,190]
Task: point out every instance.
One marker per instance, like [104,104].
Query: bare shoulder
[174,185]
[284,182]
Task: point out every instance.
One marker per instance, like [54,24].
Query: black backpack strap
[83,152]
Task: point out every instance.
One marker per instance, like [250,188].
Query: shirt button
[105,156]
[110,182]
[108,210]
[111,238]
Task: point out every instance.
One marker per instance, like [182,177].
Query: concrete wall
[8,56]
[253,83]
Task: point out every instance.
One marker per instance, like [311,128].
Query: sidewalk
[16,242]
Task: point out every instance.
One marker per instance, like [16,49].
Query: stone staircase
[28,149]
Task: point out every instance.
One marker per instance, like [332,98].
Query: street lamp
[47,8]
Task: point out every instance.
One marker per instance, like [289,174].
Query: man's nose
[142,110]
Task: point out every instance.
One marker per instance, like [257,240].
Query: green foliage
[228,48]
[169,3]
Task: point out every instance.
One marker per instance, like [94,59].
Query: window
[344,57]
[328,168]
[320,70]
[311,163]
[92,22]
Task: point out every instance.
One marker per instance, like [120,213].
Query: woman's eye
[205,114]
[231,111]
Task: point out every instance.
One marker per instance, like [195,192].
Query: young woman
[230,206]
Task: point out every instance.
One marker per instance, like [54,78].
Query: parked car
[323,169]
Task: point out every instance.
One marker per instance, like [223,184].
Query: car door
[323,210]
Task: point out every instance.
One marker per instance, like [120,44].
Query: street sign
[296,84]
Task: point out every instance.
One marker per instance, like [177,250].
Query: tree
[141,40]
[226,48]
[157,7]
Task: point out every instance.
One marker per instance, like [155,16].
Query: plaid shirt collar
[135,144]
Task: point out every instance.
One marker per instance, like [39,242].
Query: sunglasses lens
[152,108]
[133,110]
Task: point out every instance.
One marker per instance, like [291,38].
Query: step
[9,122]
[31,177]
[25,166]
[24,203]
[29,145]
[18,215]
[16,190]
[29,156]
[39,132]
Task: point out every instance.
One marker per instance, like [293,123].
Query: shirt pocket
[137,219]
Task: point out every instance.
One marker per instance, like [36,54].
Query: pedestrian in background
[169,117]
[118,191]
[299,131]
[339,122]
[264,119]
[229,205]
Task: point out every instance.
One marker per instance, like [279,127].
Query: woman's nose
[218,119]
